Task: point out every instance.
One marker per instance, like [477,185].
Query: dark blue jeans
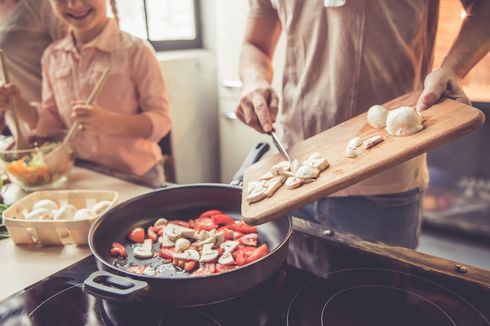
[392,218]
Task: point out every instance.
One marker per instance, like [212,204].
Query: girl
[130,114]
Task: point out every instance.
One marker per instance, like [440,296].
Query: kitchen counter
[24,265]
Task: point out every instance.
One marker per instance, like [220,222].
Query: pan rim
[186,277]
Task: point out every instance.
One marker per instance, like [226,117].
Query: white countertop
[23,265]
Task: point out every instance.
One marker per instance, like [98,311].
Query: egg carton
[53,232]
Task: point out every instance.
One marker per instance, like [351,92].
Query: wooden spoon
[21,141]
[59,157]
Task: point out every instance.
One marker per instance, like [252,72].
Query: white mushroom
[65,213]
[267,176]
[174,231]
[143,251]
[101,207]
[350,152]
[161,221]
[274,184]
[355,142]
[373,141]
[226,259]
[84,213]
[308,180]
[376,116]
[150,271]
[255,193]
[229,246]
[295,166]
[280,168]
[48,204]
[404,121]
[208,253]
[189,254]
[39,214]
[307,172]
[182,244]
[293,182]
[220,237]
[166,242]
[319,163]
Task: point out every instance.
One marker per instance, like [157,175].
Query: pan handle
[252,157]
[112,287]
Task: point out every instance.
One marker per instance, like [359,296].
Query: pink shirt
[343,57]
[134,86]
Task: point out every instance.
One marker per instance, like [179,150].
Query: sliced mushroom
[174,231]
[166,242]
[308,180]
[267,176]
[280,168]
[295,166]
[350,152]
[220,237]
[229,246]
[307,172]
[373,141]
[319,163]
[208,254]
[161,221]
[257,194]
[189,254]
[274,184]
[144,250]
[355,142]
[182,244]
[150,271]
[226,259]
[293,182]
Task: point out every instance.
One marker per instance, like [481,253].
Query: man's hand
[258,106]
[7,92]
[438,84]
[92,118]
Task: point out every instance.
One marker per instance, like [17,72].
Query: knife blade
[279,146]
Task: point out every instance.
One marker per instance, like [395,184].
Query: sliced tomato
[240,258]
[166,253]
[237,235]
[151,234]
[222,219]
[118,252]
[220,251]
[205,223]
[117,245]
[257,254]
[211,213]
[137,235]
[242,227]
[206,269]
[189,265]
[249,239]
[137,269]
[223,268]
[242,254]
[180,223]
[178,262]
[192,223]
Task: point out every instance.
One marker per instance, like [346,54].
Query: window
[167,24]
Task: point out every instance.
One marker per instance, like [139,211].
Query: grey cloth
[394,219]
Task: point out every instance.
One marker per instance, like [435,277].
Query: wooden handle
[91,98]
[21,142]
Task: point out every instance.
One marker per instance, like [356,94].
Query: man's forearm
[472,42]
[254,64]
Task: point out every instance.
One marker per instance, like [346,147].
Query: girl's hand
[92,118]
[7,92]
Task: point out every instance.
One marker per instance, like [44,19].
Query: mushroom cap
[65,213]
[306,171]
[39,214]
[182,244]
[83,213]
[376,116]
[48,204]
[293,182]
[101,207]
[404,121]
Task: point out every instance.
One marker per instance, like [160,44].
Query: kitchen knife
[279,146]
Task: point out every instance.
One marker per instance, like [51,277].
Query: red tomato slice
[237,235]
[118,252]
[137,235]
[192,223]
[117,245]
[223,268]
[240,258]
[151,234]
[206,269]
[242,227]
[180,223]
[257,254]
[249,239]
[166,253]
[211,213]
[138,269]
[189,265]
[222,219]
[205,223]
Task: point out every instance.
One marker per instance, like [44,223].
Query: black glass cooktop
[322,283]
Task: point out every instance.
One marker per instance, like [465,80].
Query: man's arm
[470,46]
[258,102]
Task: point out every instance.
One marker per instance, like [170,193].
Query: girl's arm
[10,95]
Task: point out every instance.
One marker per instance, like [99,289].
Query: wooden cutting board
[444,122]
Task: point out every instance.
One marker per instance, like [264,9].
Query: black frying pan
[178,289]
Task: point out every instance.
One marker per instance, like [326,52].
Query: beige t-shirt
[27,27]
[342,58]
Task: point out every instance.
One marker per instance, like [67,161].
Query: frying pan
[173,288]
